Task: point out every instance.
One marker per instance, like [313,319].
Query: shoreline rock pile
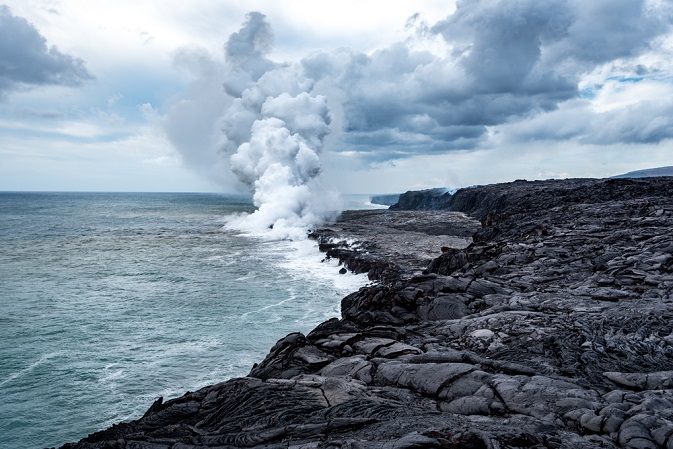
[551,327]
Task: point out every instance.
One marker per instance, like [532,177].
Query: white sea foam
[247,277]
[268,307]
[371,205]
[304,260]
[43,359]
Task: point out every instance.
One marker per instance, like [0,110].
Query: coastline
[552,328]
[112,300]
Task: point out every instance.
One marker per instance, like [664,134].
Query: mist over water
[275,129]
[112,300]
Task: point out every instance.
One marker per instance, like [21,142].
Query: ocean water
[110,300]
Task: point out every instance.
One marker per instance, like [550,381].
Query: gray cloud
[252,41]
[646,122]
[506,61]
[604,30]
[191,123]
[500,43]
[25,58]
[246,52]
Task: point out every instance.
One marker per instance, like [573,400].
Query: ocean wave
[44,358]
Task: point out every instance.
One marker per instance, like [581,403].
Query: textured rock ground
[553,328]
[395,244]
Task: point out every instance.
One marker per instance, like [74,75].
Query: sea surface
[110,300]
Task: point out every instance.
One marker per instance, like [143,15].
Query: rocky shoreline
[547,322]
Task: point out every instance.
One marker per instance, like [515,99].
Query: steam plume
[274,130]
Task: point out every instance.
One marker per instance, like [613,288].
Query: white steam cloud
[274,130]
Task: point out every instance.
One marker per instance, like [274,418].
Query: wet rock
[427,378]
[633,434]
[443,308]
[356,367]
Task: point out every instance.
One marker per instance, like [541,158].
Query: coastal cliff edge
[519,315]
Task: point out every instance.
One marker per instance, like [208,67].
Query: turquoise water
[108,301]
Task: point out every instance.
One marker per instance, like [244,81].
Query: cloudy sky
[372,96]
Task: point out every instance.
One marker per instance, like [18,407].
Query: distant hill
[648,173]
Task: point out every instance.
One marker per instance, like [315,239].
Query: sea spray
[282,171]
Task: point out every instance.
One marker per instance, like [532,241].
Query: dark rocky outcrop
[551,328]
[385,200]
[431,199]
